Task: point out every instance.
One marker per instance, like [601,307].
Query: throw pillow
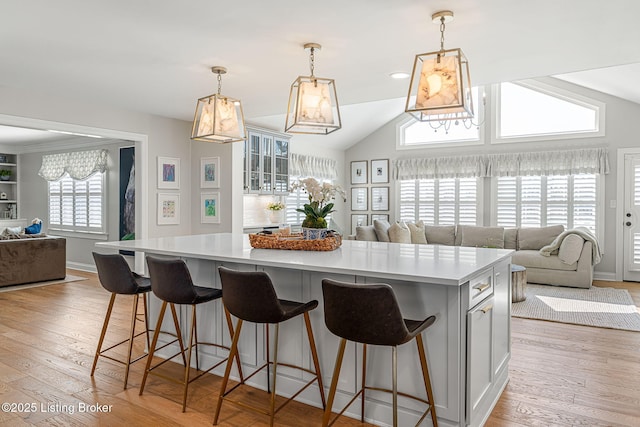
[481,237]
[367,233]
[399,233]
[441,234]
[536,238]
[382,229]
[12,231]
[33,229]
[510,238]
[417,232]
[570,249]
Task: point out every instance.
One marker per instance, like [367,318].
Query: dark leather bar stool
[116,277]
[369,314]
[250,297]
[171,282]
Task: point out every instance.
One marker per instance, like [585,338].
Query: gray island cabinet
[468,289]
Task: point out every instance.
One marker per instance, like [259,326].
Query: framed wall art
[168,208]
[359,199]
[169,173]
[379,198]
[210,208]
[359,172]
[210,172]
[380,171]
[379,217]
[358,220]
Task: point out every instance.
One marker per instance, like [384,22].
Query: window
[530,110]
[415,134]
[537,201]
[77,205]
[440,201]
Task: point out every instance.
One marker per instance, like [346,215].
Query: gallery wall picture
[358,220]
[380,171]
[168,208]
[359,172]
[359,199]
[210,172]
[169,172]
[379,217]
[210,208]
[379,198]
[127,192]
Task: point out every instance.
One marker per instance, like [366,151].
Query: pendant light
[218,118]
[313,102]
[440,88]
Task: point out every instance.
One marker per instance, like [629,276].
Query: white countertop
[448,265]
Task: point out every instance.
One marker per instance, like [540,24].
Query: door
[631,218]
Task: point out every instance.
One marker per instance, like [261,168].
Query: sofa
[551,255]
[32,259]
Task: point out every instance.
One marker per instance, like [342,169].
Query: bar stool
[171,282]
[116,277]
[250,297]
[369,314]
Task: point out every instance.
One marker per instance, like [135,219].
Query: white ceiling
[155,56]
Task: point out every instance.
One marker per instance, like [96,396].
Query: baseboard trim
[609,277]
[91,268]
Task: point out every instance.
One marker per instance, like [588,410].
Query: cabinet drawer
[480,287]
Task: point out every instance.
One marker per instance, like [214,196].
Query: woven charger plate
[294,242]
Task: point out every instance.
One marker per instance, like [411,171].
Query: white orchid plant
[320,205]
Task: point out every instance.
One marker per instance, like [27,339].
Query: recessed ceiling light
[399,75]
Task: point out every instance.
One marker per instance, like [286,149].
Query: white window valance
[79,165]
[439,167]
[568,162]
[301,165]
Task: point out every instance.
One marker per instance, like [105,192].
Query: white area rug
[600,307]
[68,278]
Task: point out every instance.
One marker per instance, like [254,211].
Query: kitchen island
[468,289]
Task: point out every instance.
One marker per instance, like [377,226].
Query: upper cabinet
[266,162]
[8,186]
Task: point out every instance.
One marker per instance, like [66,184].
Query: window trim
[553,91]
[84,232]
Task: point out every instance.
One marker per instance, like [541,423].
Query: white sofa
[564,261]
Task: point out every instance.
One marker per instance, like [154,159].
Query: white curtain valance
[301,165]
[569,162]
[79,164]
[439,167]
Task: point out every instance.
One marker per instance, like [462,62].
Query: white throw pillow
[570,249]
[367,233]
[417,232]
[483,237]
[382,229]
[399,233]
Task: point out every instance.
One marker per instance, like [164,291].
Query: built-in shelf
[8,201]
[8,164]
[8,182]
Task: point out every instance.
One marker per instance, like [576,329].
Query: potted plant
[275,211]
[314,225]
[5,175]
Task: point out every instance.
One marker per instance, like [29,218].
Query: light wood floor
[561,375]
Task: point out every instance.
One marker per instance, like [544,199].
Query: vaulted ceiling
[155,56]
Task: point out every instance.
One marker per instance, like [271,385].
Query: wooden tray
[294,242]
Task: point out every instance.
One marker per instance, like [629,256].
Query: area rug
[600,307]
[68,278]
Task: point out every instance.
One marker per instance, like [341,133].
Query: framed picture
[359,199]
[168,208]
[358,220]
[359,172]
[210,208]
[210,172]
[380,171]
[379,217]
[379,198]
[169,173]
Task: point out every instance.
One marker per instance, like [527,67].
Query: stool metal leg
[105,325]
[427,382]
[153,346]
[364,376]
[132,333]
[178,333]
[146,320]
[187,365]
[272,405]
[195,328]
[394,381]
[231,334]
[268,350]
[314,356]
[225,380]
[334,383]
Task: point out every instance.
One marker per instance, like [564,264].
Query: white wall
[621,116]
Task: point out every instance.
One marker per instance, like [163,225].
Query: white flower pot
[275,216]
